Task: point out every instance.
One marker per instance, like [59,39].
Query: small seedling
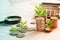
[23,25]
[53,15]
[13,29]
[49,24]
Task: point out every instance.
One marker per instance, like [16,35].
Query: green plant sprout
[49,24]
[23,25]
[13,29]
[40,11]
[54,15]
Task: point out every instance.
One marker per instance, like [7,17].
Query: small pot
[20,35]
[13,33]
[23,30]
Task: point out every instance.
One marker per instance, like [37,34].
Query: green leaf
[43,14]
[37,13]
[54,15]
[37,7]
[25,22]
[46,25]
[51,21]
[14,29]
[42,8]
[49,24]
[23,25]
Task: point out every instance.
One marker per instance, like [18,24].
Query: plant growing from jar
[23,26]
[14,31]
[40,12]
[55,19]
[48,25]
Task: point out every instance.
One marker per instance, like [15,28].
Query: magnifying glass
[11,20]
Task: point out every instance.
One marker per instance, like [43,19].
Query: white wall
[4,9]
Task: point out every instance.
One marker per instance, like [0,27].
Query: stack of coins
[40,23]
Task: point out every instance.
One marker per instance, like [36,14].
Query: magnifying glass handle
[2,21]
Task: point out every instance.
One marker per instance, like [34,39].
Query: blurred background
[23,8]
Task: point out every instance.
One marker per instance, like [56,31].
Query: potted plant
[40,12]
[14,31]
[48,26]
[23,27]
[54,18]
